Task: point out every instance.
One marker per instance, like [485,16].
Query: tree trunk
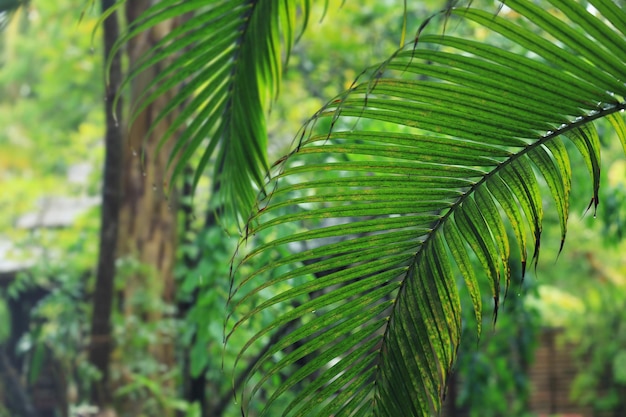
[148,216]
[101,338]
[148,230]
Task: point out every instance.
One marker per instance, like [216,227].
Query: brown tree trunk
[148,217]
[101,339]
[138,219]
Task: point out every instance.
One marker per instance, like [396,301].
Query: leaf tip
[593,202]
[496,305]
[561,247]
[535,258]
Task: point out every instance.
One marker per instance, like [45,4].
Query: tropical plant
[231,72]
[396,185]
[399,182]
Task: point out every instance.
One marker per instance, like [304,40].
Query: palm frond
[409,176]
[229,59]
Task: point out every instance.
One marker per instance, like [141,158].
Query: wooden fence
[551,376]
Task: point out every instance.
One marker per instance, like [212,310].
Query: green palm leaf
[229,58]
[413,173]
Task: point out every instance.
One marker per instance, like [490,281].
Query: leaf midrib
[589,118]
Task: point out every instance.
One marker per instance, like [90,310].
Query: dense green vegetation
[386,237]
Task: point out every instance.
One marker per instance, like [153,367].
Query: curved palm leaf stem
[583,120]
[595,115]
[558,132]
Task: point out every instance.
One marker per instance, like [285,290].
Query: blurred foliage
[50,81]
[492,371]
[601,351]
[60,320]
[50,146]
[50,84]
[5,323]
